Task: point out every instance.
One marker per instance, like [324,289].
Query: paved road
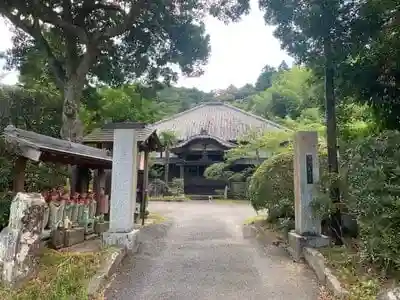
[204,256]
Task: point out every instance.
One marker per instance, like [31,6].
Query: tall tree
[168,138]
[283,66]
[112,41]
[265,79]
[310,30]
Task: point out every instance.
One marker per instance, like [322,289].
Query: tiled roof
[204,137]
[102,135]
[217,119]
[27,139]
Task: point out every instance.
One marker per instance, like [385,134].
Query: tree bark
[72,127]
[330,103]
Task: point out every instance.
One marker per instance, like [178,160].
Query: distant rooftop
[217,119]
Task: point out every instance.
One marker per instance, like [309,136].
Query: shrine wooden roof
[40,147]
[106,135]
[223,143]
[217,119]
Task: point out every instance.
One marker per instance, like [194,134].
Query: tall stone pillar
[306,175]
[123,187]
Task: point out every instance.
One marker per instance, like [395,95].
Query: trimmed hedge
[271,186]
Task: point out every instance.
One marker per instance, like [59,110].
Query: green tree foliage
[168,138]
[370,73]
[36,110]
[112,42]
[265,79]
[218,171]
[290,93]
[371,173]
[125,103]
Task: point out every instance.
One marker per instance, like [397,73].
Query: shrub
[177,186]
[271,186]
[372,173]
[157,187]
[5,204]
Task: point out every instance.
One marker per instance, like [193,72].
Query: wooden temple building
[203,135]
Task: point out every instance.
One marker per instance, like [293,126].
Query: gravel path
[202,255]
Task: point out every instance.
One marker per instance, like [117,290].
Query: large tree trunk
[72,127]
[336,219]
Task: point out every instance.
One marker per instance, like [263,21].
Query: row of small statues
[66,211]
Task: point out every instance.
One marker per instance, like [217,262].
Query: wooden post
[80,182]
[145,185]
[19,178]
[98,183]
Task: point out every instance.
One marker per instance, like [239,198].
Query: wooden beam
[19,177]
[145,186]
[31,153]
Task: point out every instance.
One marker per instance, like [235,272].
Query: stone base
[57,238]
[74,236]
[297,242]
[99,228]
[127,240]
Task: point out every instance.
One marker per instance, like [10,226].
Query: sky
[239,51]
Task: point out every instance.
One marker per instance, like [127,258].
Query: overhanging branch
[46,14]
[129,19]
[33,29]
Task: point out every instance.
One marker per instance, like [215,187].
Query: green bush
[5,203]
[271,186]
[371,170]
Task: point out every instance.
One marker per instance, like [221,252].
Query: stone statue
[67,223]
[104,202]
[20,240]
[74,208]
[56,217]
[46,216]
[92,206]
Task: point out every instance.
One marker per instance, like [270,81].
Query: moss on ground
[61,276]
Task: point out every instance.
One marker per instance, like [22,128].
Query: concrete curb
[107,269]
[312,257]
[316,261]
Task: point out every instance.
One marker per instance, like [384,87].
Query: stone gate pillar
[306,175]
[123,186]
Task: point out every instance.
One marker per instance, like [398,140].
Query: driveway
[203,255]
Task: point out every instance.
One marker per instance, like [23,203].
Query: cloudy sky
[239,52]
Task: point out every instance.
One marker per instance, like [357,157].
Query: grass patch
[362,281]
[231,201]
[152,218]
[156,218]
[255,219]
[61,276]
[169,198]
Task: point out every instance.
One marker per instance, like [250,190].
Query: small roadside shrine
[67,217]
